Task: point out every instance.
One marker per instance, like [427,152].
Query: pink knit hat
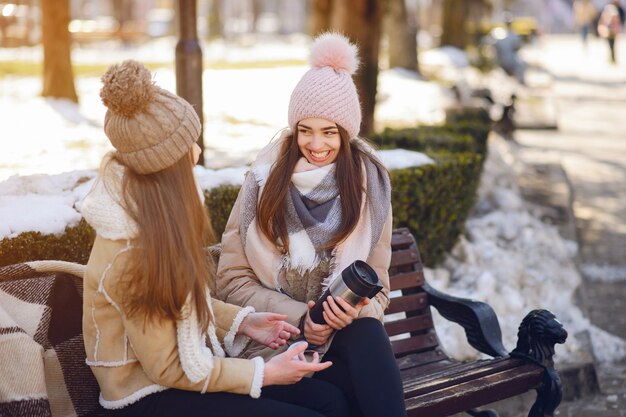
[327,90]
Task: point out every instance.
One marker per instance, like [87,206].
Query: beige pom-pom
[127,88]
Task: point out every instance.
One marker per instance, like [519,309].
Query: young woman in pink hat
[313,202]
[155,339]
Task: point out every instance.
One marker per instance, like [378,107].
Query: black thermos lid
[361,279]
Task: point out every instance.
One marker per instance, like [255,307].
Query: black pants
[307,398]
[611,40]
[365,369]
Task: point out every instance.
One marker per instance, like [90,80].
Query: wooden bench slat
[418,381]
[400,239]
[415,343]
[403,280]
[410,324]
[484,390]
[404,257]
[423,372]
[407,303]
[423,358]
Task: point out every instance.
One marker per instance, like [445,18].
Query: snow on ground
[244,109]
[516,263]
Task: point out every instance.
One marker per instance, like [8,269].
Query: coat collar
[102,207]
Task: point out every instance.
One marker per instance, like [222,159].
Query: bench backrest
[408,320]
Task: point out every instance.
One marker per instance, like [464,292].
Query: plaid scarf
[313,216]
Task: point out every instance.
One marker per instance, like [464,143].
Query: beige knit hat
[149,127]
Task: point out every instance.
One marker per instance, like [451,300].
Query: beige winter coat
[238,284]
[131,360]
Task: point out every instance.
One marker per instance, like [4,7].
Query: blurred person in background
[507,48]
[610,25]
[584,15]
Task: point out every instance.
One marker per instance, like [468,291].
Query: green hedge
[73,245]
[464,136]
[433,201]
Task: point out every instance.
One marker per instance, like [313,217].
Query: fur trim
[234,344]
[257,380]
[196,358]
[131,399]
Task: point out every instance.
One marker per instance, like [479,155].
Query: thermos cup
[357,281]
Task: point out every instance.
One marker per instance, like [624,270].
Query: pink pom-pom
[335,51]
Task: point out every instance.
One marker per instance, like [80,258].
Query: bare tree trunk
[58,78]
[401,35]
[455,13]
[361,21]
[320,16]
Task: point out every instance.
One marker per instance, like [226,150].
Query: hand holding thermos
[351,290]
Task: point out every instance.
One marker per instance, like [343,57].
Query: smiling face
[319,141]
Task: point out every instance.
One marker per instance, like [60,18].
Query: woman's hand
[336,317]
[316,334]
[290,366]
[269,329]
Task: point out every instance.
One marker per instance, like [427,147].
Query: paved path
[590,144]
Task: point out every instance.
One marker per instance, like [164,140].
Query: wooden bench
[437,385]
[434,384]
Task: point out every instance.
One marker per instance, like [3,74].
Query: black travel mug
[357,281]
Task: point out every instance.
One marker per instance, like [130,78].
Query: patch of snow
[446,56]
[603,273]
[53,136]
[209,178]
[402,158]
[42,203]
[516,263]
[403,99]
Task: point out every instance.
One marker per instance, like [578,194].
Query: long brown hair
[169,263]
[349,174]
